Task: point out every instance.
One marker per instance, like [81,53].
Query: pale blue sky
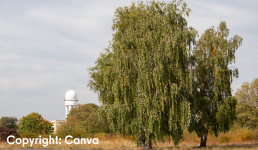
[46,45]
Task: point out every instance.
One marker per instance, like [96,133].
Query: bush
[64,130]
[83,121]
[246,135]
[5,132]
[224,138]
[34,123]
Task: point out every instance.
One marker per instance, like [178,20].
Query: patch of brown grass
[238,135]
[238,138]
[122,144]
[128,144]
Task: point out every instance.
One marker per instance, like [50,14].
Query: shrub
[224,138]
[83,121]
[5,132]
[34,123]
[247,135]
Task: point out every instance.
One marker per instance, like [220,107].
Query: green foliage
[149,79]
[247,107]
[143,78]
[63,130]
[34,123]
[28,135]
[226,114]
[212,105]
[83,121]
[9,122]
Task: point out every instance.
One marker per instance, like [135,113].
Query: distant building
[70,102]
[56,123]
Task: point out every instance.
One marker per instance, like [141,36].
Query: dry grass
[210,145]
[237,135]
[128,144]
[239,139]
[122,144]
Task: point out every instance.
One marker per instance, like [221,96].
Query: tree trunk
[203,141]
[149,142]
[142,140]
[144,145]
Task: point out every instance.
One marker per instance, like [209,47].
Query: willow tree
[143,77]
[213,108]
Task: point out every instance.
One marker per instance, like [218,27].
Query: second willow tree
[143,78]
[212,106]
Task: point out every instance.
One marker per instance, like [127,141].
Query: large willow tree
[143,78]
[213,108]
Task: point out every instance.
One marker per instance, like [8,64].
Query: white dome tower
[70,101]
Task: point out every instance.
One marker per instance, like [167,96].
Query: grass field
[128,144]
[237,138]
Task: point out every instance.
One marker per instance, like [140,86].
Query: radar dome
[70,95]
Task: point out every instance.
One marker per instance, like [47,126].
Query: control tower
[70,101]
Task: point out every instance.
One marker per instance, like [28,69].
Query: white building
[70,102]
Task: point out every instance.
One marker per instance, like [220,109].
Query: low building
[56,123]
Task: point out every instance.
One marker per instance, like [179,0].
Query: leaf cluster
[34,123]
[9,122]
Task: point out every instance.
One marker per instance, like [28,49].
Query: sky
[46,46]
